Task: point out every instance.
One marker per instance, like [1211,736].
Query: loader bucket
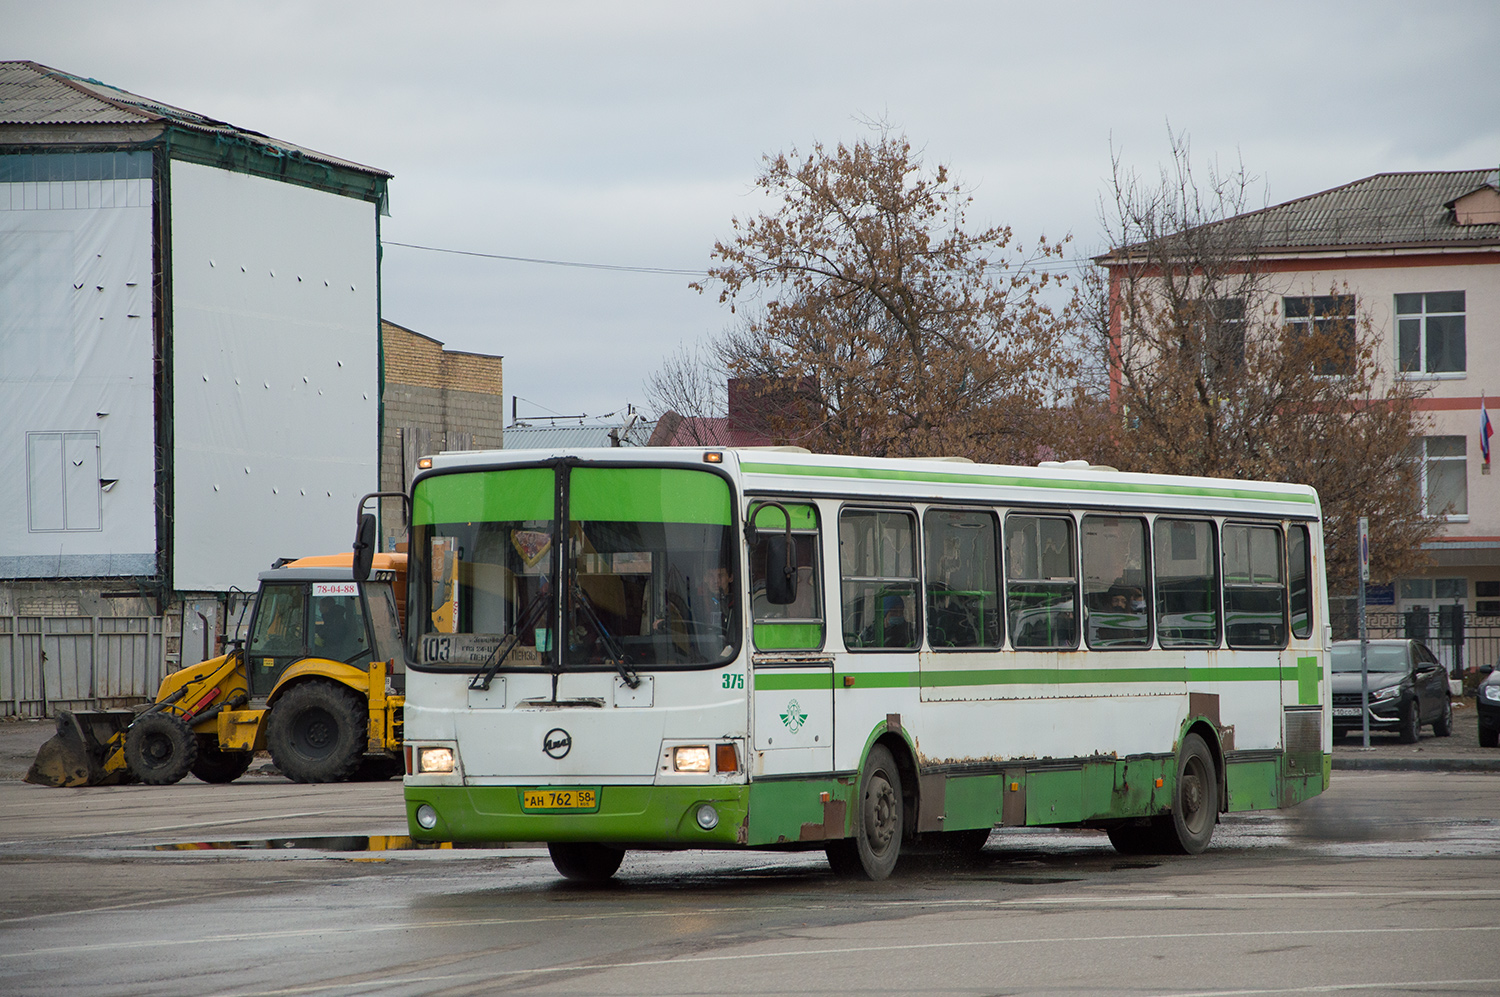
[76,754]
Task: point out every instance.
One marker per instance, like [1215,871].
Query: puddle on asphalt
[323,843]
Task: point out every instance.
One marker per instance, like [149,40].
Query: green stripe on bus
[484,496]
[649,495]
[1015,481]
[793,680]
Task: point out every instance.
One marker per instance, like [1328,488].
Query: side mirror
[1486,669]
[781,570]
[364,547]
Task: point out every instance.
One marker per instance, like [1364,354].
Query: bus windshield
[648,576]
[652,560]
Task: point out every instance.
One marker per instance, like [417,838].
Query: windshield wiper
[612,649]
[528,617]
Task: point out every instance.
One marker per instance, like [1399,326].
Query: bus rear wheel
[1195,800]
[879,822]
[585,862]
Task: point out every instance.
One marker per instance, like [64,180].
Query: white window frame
[1428,459]
[1316,323]
[1421,319]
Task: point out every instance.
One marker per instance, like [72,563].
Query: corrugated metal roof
[33,94]
[1385,211]
[563,437]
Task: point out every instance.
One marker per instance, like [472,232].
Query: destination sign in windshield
[475,649]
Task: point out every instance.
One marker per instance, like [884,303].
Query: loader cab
[319,611]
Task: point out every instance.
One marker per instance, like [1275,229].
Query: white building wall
[77,471]
[275,353]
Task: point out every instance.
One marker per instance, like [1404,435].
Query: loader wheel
[214,764]
[160,749]
[317,732]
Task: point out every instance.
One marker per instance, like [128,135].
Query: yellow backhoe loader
[319,684]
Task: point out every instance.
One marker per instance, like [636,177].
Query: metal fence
[1462,641]
[78,662]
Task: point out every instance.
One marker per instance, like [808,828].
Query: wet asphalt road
[1390,883]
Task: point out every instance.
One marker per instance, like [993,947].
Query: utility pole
[1364,631]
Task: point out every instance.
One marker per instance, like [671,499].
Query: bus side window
[1114,582]
[1254,587]
[1041,589]
[963,583]
[878,575]
[1299,571]
[1186,569]
[798,626]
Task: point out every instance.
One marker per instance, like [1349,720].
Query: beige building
[433,399]
[1419,255]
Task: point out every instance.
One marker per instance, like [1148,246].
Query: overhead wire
[1050,266]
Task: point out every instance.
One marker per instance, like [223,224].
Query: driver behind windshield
[339,634]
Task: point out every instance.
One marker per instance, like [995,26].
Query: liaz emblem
[794,718]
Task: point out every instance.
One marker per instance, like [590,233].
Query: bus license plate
[1346,711]
[559,799]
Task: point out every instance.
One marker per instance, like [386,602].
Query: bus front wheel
[879,822]
[585,862]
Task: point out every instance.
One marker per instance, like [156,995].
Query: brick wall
[435,399]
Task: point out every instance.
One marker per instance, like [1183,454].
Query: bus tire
[1195,800]
[316,732]
[160,749]
[878,822]
[585,862]
[216,765]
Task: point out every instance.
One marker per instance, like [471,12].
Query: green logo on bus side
[794,718]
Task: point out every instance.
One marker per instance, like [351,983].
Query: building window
[1329,318]
[1445,481]
[62,482]
[1222,321]
[1430,332]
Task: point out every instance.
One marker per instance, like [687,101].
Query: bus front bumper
[658,815]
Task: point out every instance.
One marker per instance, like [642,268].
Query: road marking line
[324,931]
[1328,988]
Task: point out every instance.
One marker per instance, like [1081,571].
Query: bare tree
[1208,371]
[687,394]
[896,330]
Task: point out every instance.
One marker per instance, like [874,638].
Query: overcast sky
[629,133]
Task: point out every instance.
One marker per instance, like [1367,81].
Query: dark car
[1487,699]
[1408,688]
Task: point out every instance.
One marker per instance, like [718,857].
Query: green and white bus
[768,648]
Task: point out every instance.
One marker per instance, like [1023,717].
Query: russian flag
[1485,430]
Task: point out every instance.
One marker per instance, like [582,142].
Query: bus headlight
[427,817]
[708,817]
[690,758]
[434,761]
